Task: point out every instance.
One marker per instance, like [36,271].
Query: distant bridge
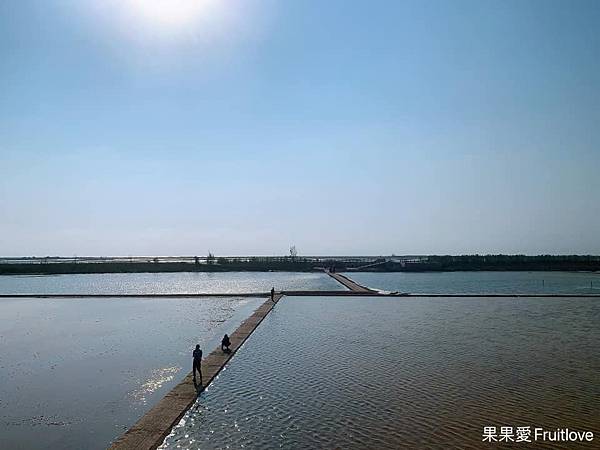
[395,260]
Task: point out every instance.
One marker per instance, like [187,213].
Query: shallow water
[403,373]
[166,283]
[482,282]
[76,373]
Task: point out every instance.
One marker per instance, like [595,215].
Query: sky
[179,127]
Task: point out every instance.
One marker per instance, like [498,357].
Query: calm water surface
[482,282]
[403,373]
[165,283]
[76,373]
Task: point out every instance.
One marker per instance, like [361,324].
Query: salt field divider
[300,294]
[178,295]
[348,283]
[420,295]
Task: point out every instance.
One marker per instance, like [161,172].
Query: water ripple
[402,373]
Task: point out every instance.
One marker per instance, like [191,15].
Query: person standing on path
[197,365]
[273,294]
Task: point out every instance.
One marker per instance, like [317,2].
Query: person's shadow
[199,387]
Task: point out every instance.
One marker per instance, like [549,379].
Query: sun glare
[159,32]
[171,15]
[168,20]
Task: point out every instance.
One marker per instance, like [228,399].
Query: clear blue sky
[344,127]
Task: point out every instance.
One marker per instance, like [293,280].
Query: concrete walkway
[352,285]
[150,431]
[366,293]
[199,295]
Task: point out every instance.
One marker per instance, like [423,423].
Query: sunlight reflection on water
[158,378]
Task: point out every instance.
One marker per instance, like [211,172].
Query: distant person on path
[273,294]
[225,343]
[197,362]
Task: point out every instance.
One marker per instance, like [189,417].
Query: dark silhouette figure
[225,343]
[273,294]
[197,363]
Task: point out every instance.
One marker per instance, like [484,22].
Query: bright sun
[171,13]
[158,25]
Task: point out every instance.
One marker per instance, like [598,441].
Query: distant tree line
[296,263]
[507,262]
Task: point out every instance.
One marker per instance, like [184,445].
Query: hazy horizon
[283,253]
[344,128]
